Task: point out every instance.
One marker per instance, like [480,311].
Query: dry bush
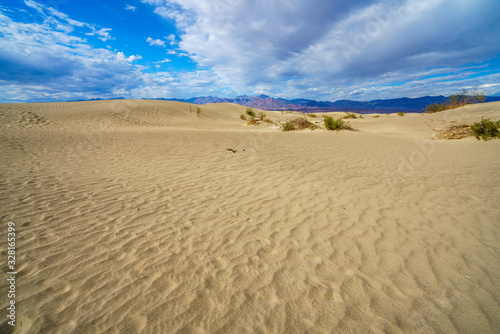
[455,131]
[253,121]
[301,123]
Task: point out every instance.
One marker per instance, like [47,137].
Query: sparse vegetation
[461,99]
[350,115]
[303,123]
[335,124]
[401,113]
[455,131]
[376,116]
[486,129]
[253,121]
[256,121]
[287,126]
[243,117]
[312,115]
[250,112]
[198,111]
[298,123]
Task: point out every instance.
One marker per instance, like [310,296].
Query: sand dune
[133,217]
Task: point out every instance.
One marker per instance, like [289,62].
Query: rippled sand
[133,217]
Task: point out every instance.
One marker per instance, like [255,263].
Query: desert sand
[132,216]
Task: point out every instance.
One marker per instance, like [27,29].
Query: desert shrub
[287,126]
[243,117]
[361,116]
[250,112]
[299,123]
[267,120]
[262,115]
[198,111]
[486,129]
[350,115]
[303,123]
[253,121]
[461,99]
[435,107]
[312,115]
[376,116]
[401,113]
[455,131]
[335,124]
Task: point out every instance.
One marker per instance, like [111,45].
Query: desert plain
[141,216]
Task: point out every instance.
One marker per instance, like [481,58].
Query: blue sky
[60,50]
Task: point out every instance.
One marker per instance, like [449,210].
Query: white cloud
[101,34]
[162,61]
[155,42]
[43,62]
[328,43]
[133,58]
[131,8]
[171,39]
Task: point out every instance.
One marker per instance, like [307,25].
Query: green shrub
[461,99]
[250,112]
[243,117]
[486,129]
[350,115]
[299,123]
[287,126]
[335,124]
[435,107]
[400,113]
[262,115]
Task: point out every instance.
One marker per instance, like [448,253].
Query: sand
[133,217]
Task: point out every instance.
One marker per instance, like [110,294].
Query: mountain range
[265,102]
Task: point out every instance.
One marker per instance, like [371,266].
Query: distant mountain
[269,103]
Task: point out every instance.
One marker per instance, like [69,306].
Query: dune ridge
[134,217]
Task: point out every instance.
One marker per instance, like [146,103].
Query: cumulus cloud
[329,43]
[171,39]
[155,42]
[42,62]
[321,49]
